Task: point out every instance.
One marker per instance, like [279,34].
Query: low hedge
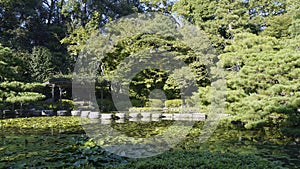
[137,103]
[173,103]
[145,109]
[155,103]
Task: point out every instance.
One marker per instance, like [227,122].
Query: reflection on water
[267,142]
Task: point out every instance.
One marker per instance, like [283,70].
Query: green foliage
[50,141]
[68,104]
[278,26]
[41,64]
[173,103]
[223,19]
[11,66]
[24,97]
[158,5]
[142,45]
[137,102]
[157,103]
[261,77]
[108,105]
[145,109]
[41,125]
[180,79]
[19,92]
[58,145]
[195,159]
[258,43]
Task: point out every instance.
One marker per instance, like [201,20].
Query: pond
[62,141]
[266,142]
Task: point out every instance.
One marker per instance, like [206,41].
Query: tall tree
[88,16]
[223,19]
[13,89]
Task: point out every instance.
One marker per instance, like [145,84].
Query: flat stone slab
[47,112]
[156,115]
[167,118]
[134,115]
[62,112]
[167,115]
[120,120]
[75,113]
[85,113]
[182,116]
[94,115]
[106,116]
[155,119]
[134,119]
[145,114]
[120,115]
[146,119]
[199,115]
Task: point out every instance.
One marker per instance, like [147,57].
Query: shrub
[155,103]
[137,103]
[68,104]
[173,103]
[145,109]
[108,105]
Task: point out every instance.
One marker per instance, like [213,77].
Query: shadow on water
[267,142]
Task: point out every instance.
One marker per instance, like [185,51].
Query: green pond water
[268,142]
[59,141]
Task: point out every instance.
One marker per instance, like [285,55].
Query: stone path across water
[144,117]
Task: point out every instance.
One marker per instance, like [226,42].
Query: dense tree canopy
[257,43]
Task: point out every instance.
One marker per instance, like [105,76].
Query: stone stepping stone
[167,116]
[122,120]
[47,113]
[156,115]
[134,115]
[94,115]
[85,113]
[75,113]
[120,115]
[62,112]
[182,116]
[134,119]
[145,115]
[198,115]
[155,119]
[106,116]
